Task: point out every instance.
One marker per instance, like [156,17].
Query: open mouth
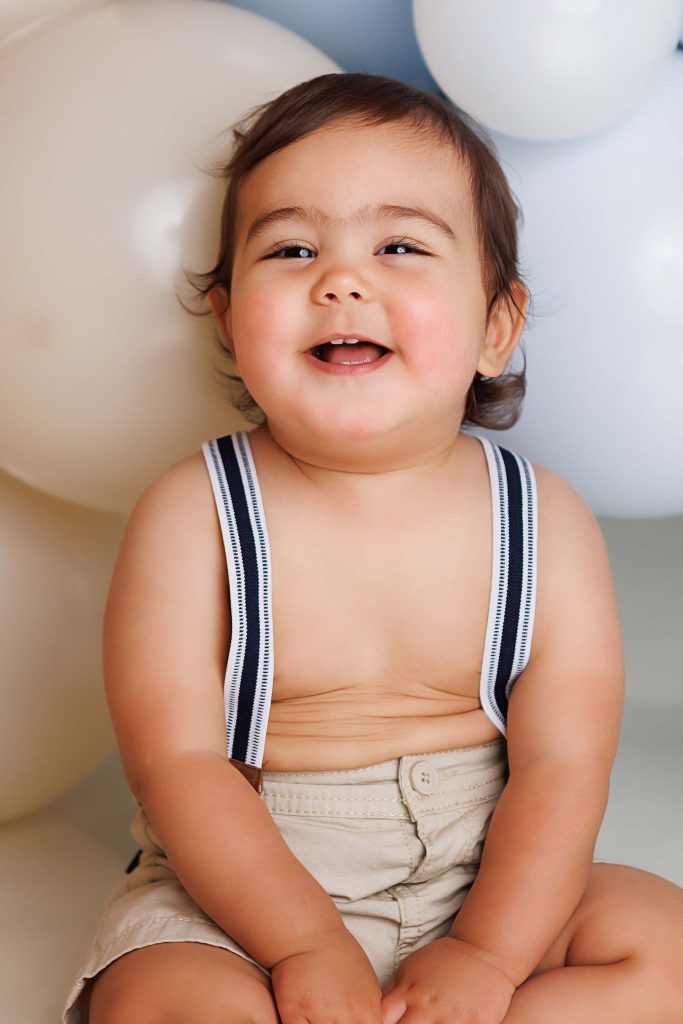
[349,353]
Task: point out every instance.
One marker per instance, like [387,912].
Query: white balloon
[108,119]
[546,69]
[57,560]
[602,250]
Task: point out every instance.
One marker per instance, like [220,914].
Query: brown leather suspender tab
[252,773]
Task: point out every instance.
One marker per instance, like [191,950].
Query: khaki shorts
[396,845]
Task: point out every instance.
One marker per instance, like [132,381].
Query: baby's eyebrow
[363,215]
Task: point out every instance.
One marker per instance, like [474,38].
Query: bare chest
[402,613]
[378,633]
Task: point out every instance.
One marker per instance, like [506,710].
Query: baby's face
[410,282]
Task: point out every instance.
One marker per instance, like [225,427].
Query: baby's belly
[319,741]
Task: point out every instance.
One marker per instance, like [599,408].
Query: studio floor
[57,867]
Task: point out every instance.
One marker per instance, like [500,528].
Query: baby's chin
[343,440]
[367,442]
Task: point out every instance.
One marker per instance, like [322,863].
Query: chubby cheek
[263,324]
[438,339]
[255,312]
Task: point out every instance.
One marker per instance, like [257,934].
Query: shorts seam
[419,800]
[338,799]
[158,918]
[311,776]
[470,803]
[413,863]
[347,798]
[311,813]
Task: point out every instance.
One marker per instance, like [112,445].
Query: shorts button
[423,777]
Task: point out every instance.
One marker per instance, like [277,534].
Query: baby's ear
[503,331]
[218,300]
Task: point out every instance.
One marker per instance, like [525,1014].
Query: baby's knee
[192,983]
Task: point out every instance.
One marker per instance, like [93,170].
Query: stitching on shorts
[160,917]
[419,799]
[371,799]
[359,814]
[338,799]
[311,776]
[454,773]
[413,862]
[476,785]
[403,946]
[470,803]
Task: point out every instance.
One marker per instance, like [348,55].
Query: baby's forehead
[295,175]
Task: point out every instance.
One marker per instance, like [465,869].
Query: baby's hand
[332,983]
[445,982]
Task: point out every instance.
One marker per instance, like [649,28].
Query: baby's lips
[335,348]
[361,352]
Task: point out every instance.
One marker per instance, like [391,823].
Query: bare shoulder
[567,525]
[167,621]
[173,527]
[560,498]
[176,512]
[182,485]
[572,561]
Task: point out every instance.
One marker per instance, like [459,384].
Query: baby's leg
[618,958]
[183,981]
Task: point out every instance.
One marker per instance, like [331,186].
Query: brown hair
[493,402]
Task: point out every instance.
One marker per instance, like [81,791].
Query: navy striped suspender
[513,578]
[248,685]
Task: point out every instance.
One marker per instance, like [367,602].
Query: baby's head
[345,156]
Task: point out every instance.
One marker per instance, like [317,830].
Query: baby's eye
[297,248]
[403,246]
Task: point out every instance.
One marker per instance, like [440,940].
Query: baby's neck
[369,473]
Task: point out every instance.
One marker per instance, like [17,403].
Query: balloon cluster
[110,114]
[111,111]
[585,104]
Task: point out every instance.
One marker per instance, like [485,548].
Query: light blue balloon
[376,36]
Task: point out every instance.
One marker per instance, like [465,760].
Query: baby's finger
[393,1007]
[419,1015]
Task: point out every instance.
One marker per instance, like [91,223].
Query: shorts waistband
[396,788]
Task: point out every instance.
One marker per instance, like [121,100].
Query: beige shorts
[396,845]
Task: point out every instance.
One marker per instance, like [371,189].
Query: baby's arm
[165,642]
[563,725]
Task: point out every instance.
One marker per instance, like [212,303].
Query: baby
[364,665]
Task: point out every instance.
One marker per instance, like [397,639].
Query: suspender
[513,578]
[248,684]
[249,673]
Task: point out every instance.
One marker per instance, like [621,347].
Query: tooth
[340,341]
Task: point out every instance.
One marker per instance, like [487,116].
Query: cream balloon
[57,561]
[546,69]
[602,249]
[18,16]
[109,120]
